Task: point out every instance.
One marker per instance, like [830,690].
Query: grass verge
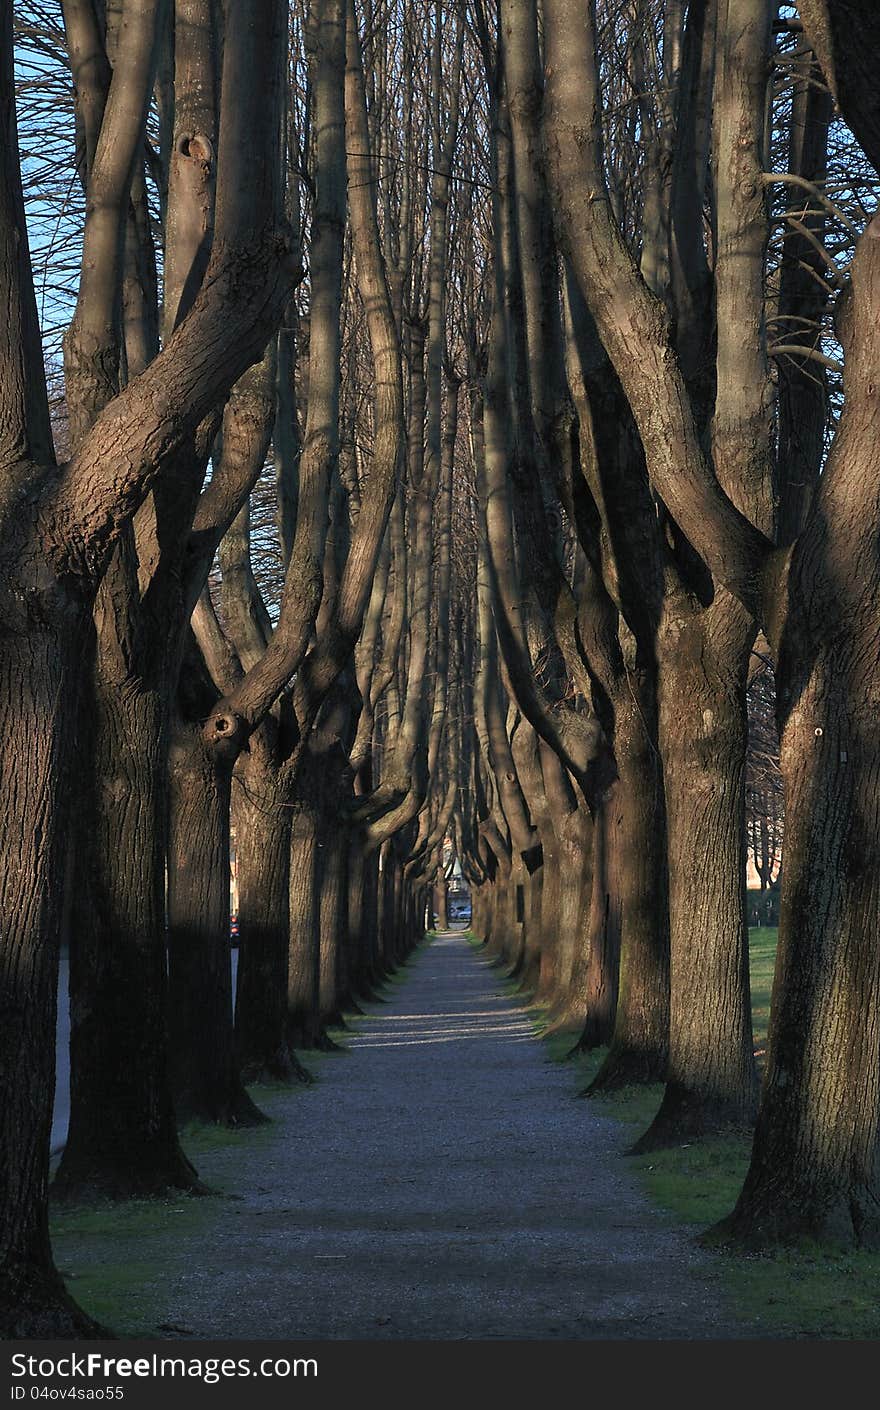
[807,1293]
[121,1260]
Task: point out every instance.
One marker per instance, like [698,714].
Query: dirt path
[440,1182]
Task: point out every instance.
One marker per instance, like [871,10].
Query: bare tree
[61,524]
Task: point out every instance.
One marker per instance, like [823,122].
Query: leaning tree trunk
[710,1083]
[122,1138]
[206,1081]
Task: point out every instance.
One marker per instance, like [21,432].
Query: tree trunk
[303,975]
[636,865]
[528,968]
[206,1081]
[333,910]
[481,911]
[37,710]
[547,978]
[813,1174]
[261,815]
[576,883]
[561,837]
[440,906]
[362,917]
[600,960]
[383,881]
[710,1083]
[513,918]
[122,1138]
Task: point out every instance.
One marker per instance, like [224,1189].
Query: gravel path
[440,1181]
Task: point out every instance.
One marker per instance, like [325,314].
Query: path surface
[440,1181]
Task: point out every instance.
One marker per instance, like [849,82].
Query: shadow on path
[440,1181]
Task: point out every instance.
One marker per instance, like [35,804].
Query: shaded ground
[438,1182]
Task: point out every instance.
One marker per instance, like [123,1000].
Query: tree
[60,524]
[812,1170]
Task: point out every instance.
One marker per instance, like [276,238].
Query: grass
[808,1293]
[121,1259]
[762,956]
[108,1256]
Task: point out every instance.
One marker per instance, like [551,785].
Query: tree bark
[206,1081]
[599,962]
[122,1138]
[639,1044]
[58,530]
[577,842]
[37,730]
[813,1172]
[440,898]
[710,1076]
[261,817]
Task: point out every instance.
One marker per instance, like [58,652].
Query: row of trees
[451,395]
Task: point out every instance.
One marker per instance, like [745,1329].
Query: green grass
[121,1259]
[809,1293]
[816,1296]
[762,956]
[108,1256]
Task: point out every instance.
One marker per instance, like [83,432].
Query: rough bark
[577,841]
[261,818]
[710,1079]
[38,734]
[122,1138]
[813,1171]
[439,904]
[639,1044]
[598,964]
[844,35]
[58,529]
[206,1082]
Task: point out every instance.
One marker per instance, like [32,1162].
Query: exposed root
[325,1044]
[626,1067]
[684,1117]
[35,1305]
[91,1178]
[285,1068]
